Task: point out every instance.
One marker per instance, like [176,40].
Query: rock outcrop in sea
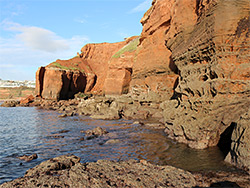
[192,65]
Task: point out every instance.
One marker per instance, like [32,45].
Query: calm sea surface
[32,130]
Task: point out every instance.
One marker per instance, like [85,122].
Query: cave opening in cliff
[226,140]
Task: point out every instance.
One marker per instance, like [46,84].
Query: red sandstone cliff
[194,52]
[153,68]
[84,73]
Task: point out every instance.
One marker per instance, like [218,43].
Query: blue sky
[34,33]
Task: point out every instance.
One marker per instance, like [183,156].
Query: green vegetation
[130,47]
[81,95]
[58,65]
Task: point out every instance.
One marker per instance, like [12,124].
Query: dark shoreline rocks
[67,171]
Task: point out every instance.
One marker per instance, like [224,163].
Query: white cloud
[26,48]
[37,38]
[144,6]
[42,39]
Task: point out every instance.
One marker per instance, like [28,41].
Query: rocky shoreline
[186,74]
[146,109]
[67,171]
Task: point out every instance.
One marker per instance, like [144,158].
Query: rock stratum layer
[192,55]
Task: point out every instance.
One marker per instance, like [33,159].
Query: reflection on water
[32,130]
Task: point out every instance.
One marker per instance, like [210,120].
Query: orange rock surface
[195,53]
[120,69]
[84,73]
[97,56]
[153,59]
[27,100]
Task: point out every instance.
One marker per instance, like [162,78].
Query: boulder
[28,157]
[57,163]
[98,131]
[27,100]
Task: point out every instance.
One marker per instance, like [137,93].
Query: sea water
[24,131]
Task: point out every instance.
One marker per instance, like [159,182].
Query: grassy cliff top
[130,47]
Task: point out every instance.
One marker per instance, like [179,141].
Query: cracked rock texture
[211,52]
[67,171]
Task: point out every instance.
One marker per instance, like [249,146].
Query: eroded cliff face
[86,72]
[153,67]
[211,53]
[61,84]
[97,56]
[62,79]
[120,69]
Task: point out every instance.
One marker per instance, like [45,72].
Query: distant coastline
[14,84]
[15,93]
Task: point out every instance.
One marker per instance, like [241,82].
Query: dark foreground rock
[222,179]
[67,171]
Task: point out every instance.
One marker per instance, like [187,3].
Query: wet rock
[10,103]
[64,131]
[56,136]
[82,139]
[113,141]
[98,131]
[62,115]
[28,157]
[66,171]
[71,114]
[200,123]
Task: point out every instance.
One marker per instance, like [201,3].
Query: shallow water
[31,130]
